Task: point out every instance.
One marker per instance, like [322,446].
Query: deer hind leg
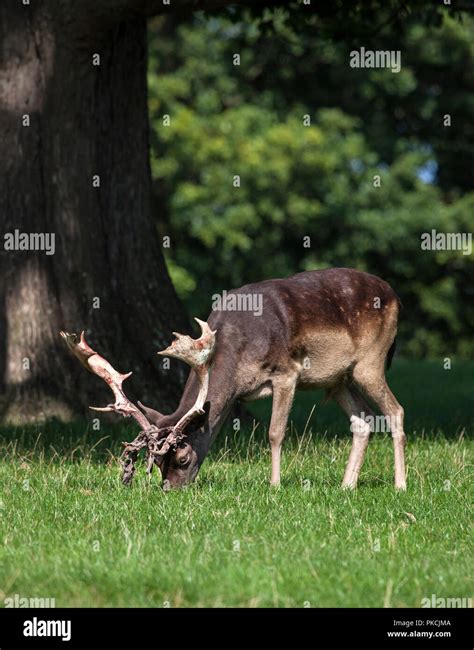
[282,401]
[371,380]
[355,407]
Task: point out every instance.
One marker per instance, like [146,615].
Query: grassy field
[70,531]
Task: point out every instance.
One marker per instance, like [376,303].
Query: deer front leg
[282,400]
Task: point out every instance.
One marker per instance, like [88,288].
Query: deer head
[167,447]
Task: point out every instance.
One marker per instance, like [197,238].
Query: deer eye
[183,460]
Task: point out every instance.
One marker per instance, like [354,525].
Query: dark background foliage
[317,180]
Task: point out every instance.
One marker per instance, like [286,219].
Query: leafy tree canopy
[309,137]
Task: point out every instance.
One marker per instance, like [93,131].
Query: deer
[333,329]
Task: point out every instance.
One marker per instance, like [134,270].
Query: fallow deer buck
[332,329]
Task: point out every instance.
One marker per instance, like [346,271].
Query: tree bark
[107,274]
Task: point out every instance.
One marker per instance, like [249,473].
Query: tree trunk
[107,273]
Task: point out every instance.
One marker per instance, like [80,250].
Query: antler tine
[206,332]
[103,369]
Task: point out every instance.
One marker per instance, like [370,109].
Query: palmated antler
[196,352]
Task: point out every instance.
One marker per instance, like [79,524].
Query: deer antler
[102,368]
[196,352]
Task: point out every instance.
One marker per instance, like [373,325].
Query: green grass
[70,531]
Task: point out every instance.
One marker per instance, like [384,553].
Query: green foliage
[316,181]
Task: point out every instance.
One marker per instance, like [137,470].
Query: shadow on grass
[437,402]
[74,441]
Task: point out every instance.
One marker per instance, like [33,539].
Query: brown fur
[329,329]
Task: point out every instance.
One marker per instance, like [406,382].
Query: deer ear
[152,415]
